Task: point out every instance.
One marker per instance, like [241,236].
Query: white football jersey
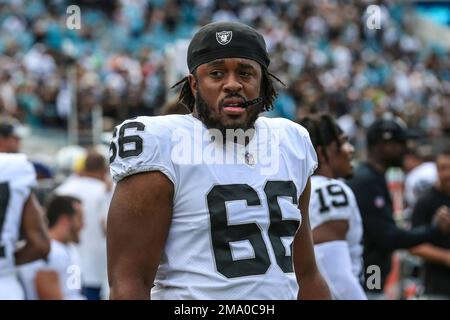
[92,247]
[332,200]
[235,210]
[64,260]
[17,177]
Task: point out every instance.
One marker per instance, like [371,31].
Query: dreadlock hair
[269,94]
[330,129]
[322,129]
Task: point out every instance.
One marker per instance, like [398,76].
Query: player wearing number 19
[335,219]
[216,230]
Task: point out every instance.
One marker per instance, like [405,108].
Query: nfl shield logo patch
[379,202]
[224,37]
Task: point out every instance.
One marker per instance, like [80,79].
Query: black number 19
[336,193]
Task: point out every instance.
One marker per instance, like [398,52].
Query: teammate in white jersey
[20,213]
[335,219]
[59,276]
[203,219]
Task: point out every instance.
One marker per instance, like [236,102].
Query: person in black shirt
[386,142]
[437,256]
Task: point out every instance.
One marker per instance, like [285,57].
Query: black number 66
[123,140]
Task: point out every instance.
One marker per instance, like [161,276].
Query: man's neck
[235,139]
[58,236]
[325,171]
[93,175]
[376,164]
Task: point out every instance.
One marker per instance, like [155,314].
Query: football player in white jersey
[59,276]
[335,219]
[20,213]
[197,223]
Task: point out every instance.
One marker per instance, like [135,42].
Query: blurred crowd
[322,50]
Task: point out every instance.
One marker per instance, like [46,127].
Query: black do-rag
[220,40]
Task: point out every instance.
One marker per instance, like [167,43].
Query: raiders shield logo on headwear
[224,37]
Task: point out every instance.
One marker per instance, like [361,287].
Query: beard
[212,121]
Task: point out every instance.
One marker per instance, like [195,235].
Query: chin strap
[249,103]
